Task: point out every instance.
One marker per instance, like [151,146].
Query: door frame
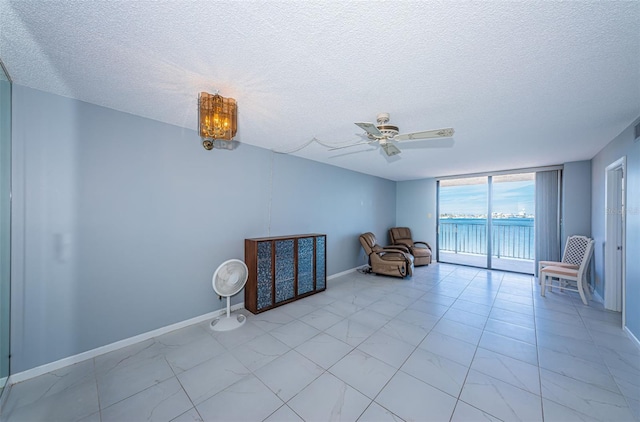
[615,185]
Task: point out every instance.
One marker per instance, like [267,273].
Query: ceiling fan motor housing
[382,118]
[386,135]
[388,131]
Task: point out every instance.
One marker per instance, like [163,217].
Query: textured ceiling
[523,83]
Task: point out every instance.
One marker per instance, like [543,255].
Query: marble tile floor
[450,344]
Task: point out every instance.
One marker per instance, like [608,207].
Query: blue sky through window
[508,198]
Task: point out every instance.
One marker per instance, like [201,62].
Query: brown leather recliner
[421,251]
[392,260]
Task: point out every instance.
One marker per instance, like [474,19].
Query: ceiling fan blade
[351,145]
[371,129]
[351,152]
[437,143]
[390,158]
[438,133]
[390,149]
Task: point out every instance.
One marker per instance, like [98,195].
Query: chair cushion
[398,233]
[558,264]
[406,242]
[369,239]
[417,252]
[393,256]
[560,271]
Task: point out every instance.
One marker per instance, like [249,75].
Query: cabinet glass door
[305,265]
[265,275]
[284,270]
[320,263]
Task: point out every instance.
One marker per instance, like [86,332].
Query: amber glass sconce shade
[217,118]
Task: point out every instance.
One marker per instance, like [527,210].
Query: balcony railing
[509,240]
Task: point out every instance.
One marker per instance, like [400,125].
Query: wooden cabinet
[283,269]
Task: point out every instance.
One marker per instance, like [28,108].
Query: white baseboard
[71,360]
[633,338]
[340,274]
[596,296]
[4,395]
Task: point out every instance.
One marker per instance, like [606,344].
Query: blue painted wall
[576,199]
[576,203]
[416,208]
[622,145]
[120,221]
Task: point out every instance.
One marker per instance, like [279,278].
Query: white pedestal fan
[228,279]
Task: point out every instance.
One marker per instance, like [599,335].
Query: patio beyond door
[487,221]
[462,221]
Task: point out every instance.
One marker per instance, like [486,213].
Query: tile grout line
[464,382]
[535,329]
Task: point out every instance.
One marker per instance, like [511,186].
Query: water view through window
[488,221]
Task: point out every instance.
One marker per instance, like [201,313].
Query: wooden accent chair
[421,251]
[390,260]
[572,256]
[566,277]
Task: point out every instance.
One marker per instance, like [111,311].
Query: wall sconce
[217,119]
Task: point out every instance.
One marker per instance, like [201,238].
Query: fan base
[228,323]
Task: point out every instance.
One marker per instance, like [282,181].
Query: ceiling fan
[386,135]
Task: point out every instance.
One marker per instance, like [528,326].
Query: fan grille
[230,277]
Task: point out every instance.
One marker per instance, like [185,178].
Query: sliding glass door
[487,221]
[512,212]
[462,221]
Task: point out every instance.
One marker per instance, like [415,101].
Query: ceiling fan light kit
[385,134]
[382,129]
[382,133]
